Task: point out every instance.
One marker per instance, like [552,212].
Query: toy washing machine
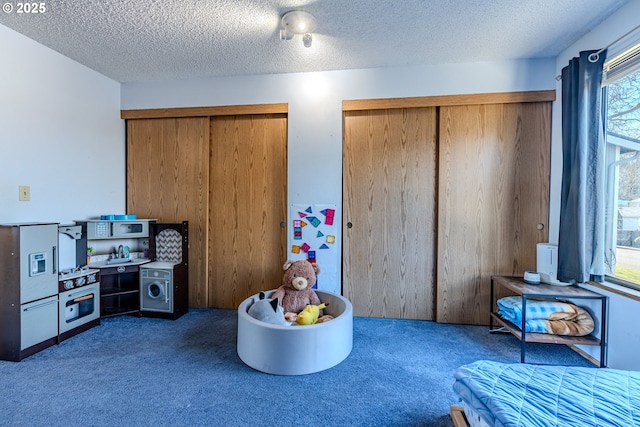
[156,287]
[164,283]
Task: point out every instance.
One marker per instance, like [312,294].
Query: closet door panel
[248,203]
[389,212]
[167,179]
[493,192]
[533,178]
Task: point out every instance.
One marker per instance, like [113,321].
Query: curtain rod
[596,55]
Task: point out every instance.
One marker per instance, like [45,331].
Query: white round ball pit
[296,350]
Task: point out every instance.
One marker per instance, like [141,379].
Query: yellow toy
[309,315]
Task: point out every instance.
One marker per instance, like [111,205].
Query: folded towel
[511,308]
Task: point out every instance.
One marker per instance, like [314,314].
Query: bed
[506,395]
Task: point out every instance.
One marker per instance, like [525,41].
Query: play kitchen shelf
[118,248]
[546,292]
[119,290]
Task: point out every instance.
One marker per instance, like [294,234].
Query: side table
[544,291]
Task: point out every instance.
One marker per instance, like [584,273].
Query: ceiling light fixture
[297,22]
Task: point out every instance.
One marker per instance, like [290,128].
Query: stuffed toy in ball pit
[267,310]
[297,291]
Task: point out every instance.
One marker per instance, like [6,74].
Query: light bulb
[307,39]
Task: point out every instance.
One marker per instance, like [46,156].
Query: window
[622,216]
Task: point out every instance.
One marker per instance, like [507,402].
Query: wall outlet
[24,192]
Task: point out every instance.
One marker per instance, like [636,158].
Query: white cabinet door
[39,280]
[38,321]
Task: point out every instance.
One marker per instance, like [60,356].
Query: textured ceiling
[148,40]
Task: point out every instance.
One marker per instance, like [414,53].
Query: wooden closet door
[248,206]
[167,179]
[493,193]
[389,171]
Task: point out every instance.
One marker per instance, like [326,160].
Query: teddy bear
[296,291]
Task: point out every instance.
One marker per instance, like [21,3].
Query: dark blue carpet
[132,371]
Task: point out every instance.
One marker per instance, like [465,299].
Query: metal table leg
[523,341]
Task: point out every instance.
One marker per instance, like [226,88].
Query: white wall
[315,108]
[624,336]
[60,133]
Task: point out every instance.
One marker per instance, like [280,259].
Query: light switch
[25,193]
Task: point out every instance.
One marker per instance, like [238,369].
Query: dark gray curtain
[581,239]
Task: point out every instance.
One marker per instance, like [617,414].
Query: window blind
[621,65]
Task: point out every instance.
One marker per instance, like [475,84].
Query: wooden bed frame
[458,417]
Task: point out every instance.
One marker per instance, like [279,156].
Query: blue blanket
[547,317]
[513,395]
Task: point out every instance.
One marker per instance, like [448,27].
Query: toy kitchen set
[60,280]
